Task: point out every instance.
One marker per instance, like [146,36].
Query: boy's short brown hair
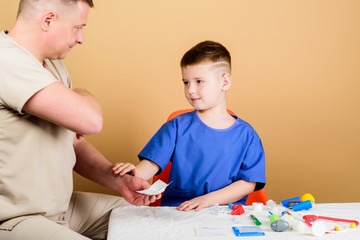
[206,51]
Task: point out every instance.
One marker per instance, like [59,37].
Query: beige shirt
[36,156]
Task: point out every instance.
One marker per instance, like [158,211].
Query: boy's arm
[146,169]
[229,194]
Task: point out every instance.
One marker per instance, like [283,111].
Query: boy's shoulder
[183,116]
[250,129]
[242,121]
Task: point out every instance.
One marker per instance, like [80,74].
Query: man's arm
[91,164]
[76,110]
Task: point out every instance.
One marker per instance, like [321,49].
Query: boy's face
[205,85]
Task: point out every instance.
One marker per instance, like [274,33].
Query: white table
[147,223]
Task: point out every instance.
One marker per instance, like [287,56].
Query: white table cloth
[150,223]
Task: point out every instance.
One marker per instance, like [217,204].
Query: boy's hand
[197,204]
[124,168]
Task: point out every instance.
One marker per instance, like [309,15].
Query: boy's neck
[216,118]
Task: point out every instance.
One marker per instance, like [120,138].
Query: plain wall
[296,80]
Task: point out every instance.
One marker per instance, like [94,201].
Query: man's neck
[24,36]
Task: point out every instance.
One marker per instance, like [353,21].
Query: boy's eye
[186,83]
[200,81]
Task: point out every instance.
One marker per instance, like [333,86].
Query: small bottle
[270,203]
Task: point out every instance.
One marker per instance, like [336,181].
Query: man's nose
[80,38]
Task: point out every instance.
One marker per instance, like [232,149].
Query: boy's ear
[47,20]
[226,81]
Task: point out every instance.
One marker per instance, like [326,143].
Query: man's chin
[61,57]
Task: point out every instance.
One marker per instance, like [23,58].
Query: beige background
[296,80]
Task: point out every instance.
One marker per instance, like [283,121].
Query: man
[42,122]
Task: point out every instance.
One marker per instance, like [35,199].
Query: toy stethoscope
[310,218]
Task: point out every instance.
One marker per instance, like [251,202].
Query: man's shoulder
[12,54]
[7,43]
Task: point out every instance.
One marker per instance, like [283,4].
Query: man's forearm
[91,164]
[90,99]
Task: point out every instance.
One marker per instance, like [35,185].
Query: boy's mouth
[195,99]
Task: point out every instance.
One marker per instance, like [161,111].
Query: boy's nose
[191,89]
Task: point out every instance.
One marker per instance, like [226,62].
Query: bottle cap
[302,206]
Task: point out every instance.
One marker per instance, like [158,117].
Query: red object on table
[237,210]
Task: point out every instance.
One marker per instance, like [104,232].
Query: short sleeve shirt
[205,159]
[36,156]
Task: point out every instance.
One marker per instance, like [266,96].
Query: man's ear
[47,20]
[226,81]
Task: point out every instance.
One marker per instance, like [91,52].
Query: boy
[216,157]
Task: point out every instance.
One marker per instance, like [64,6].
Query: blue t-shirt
[205,159]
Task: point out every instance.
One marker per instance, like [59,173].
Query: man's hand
[128,185]
[90,163]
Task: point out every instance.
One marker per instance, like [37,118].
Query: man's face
[67,30]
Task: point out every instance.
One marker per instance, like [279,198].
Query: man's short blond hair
[24,4]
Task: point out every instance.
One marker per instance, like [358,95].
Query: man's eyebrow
[80,25]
